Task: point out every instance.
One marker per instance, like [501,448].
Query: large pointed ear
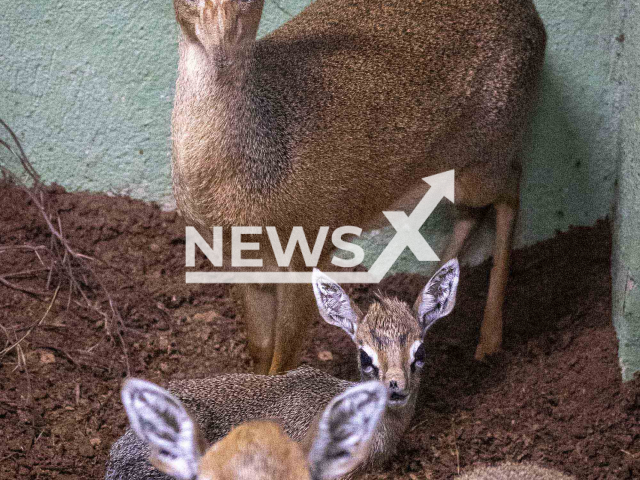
[159,419]
[438,297]
[334,305]
[346,429]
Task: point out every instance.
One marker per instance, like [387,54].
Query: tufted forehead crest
[389,321]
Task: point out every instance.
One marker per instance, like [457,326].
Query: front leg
[296,310]
[259,304]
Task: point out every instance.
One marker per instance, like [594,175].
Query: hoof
[484,350]
[261,367]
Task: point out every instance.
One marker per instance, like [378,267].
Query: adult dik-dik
[337,116]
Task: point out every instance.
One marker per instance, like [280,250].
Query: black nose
[393,384]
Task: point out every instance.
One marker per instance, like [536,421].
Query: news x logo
[407,235]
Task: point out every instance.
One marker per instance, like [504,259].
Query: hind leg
[491,329]
[465,221]
[499,187]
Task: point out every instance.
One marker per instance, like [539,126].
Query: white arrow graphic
[408,228]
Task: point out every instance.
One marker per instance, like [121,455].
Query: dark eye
[366,364]
[365,360]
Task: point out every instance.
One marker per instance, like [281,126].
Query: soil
[554,396]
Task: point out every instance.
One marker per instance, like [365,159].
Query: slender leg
[259,305]
[466,219]
[491,329]
[296,310]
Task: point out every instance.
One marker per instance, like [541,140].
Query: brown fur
[337,115]
[255,451]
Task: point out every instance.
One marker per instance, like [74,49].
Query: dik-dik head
[257,450]
[390,336]
[225,26]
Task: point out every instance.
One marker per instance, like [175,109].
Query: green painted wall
[626,253]
[88,87]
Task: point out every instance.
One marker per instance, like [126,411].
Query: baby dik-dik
[389,341]
[337,116]
[257,450]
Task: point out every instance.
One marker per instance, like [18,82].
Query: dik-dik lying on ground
[260,450]
[337,116]
[390,349]
[257,450]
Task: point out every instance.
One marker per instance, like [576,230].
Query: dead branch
[64,261]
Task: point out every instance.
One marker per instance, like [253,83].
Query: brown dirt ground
[554,396]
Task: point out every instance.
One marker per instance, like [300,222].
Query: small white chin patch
[400,402]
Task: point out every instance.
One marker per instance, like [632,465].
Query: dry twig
[60,259]
[34,325]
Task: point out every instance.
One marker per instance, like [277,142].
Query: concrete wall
[626,247]
[88,87]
